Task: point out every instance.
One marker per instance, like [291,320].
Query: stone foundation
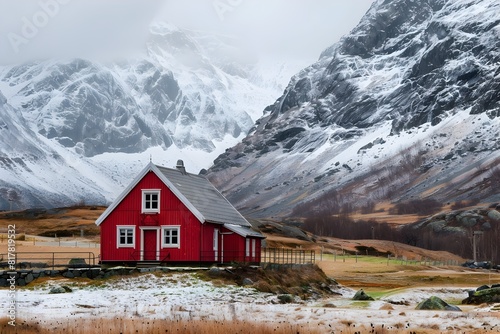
[25,276]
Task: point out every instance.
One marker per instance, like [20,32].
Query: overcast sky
[285,29]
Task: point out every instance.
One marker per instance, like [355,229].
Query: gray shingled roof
[214,207]
[243,231]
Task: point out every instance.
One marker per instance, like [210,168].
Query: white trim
[150,228]
[128,227]
[247,247]
[253,248]
[216,244]
[171,228]
[151,167]
[143,202]
[179,195]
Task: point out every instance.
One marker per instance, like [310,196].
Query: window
[247,248]
[125,236]
[150,201]
[170,236]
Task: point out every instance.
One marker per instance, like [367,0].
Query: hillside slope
[407,105]
[89,125]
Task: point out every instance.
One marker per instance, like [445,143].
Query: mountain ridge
[404,106]
[103,121]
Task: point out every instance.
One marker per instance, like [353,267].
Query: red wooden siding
[172,212]
[196,240]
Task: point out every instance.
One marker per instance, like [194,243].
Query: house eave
[150,168]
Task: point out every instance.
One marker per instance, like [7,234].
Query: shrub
[417,206]
[368,208]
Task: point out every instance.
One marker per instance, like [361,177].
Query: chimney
[180,167]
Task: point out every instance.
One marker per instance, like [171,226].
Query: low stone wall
[25,276]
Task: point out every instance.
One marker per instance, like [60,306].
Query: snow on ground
[183,296]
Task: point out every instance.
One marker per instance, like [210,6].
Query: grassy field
[379,274]
[420,268]
[65,222]
[151,326]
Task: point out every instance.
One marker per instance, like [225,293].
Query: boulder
[57,289]
[77,263]
[214,272]
[329,305]
[29,278]
[247,281]
[484,295]
[494,215]
[361,295]
[286,299]
[60,289]
[68,274]
[468,218]
[436,303]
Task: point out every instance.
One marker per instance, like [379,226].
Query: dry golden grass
[381,215]
[337,246]
[361,274]
[150,326]
[157,326]
[28,252]
[374,274]
[71,219]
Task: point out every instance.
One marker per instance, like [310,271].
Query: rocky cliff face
[187,96]
[406,105]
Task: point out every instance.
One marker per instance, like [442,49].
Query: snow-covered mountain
[407,105]
[76,130]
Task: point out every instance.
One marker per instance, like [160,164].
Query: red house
[169,216]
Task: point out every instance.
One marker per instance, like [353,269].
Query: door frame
[158,235]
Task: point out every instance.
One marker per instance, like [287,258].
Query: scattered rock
[399,302]
[29,278]
[483,295]
[214,272]
[436,303]
[68,274]
[286,299]
[477,265]
[387,307]
[329,305]
[78,263]
[494,215]
[60,289]
[247,281]
[361,295]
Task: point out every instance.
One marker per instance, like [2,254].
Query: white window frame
[171,228]
[216,244]
[150,192]
[247,247]
[118,236]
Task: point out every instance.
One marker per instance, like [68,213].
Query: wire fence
[28,260]
[288,256]
[67,243]
[53,242]
[389,259]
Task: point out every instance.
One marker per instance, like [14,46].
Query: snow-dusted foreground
[183,296]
